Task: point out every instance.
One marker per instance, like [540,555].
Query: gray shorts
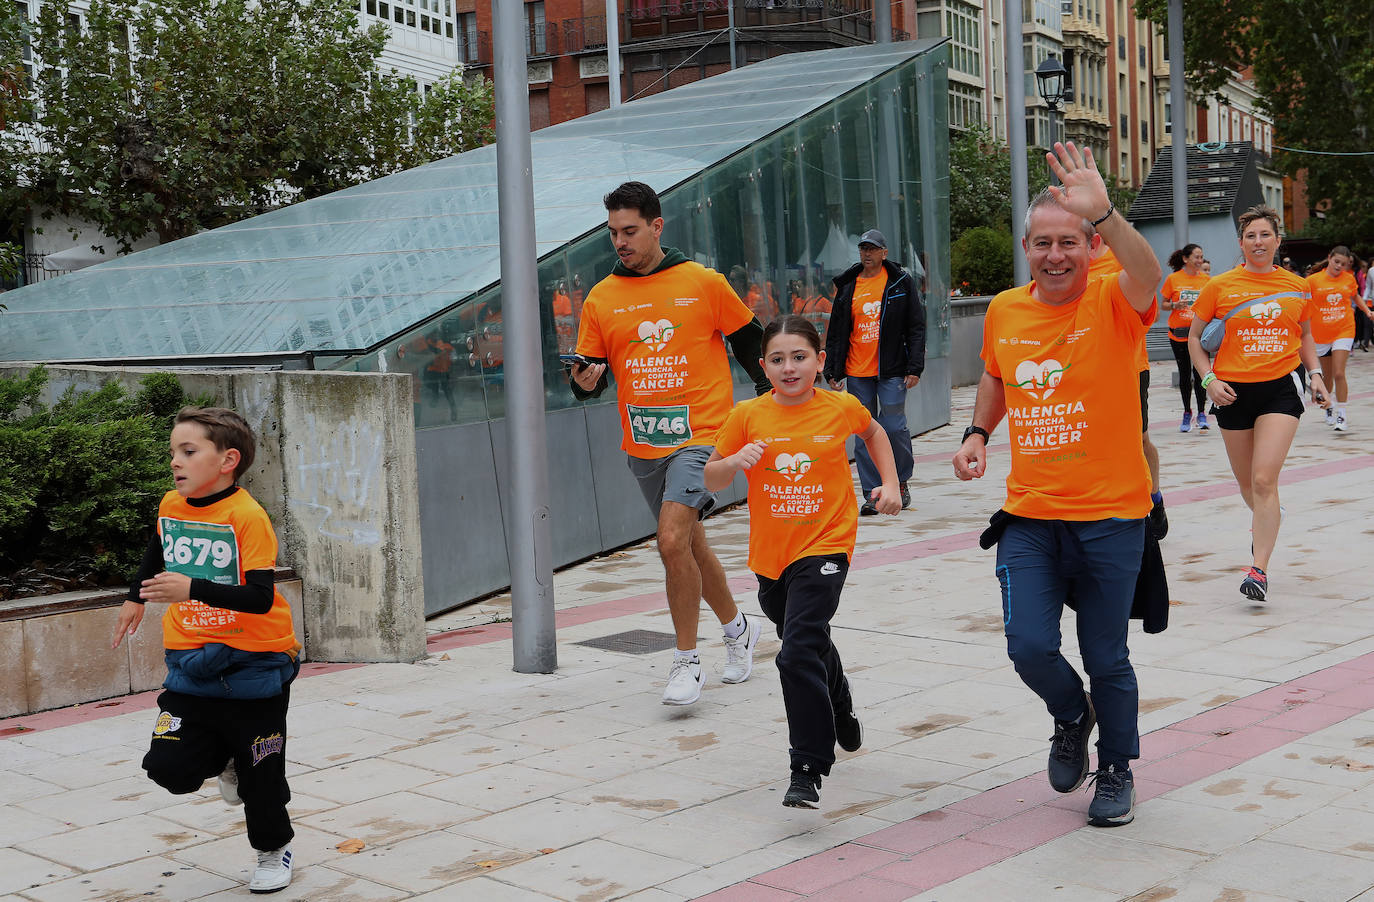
[680,477]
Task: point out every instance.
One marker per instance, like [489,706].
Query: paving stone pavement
[467,781]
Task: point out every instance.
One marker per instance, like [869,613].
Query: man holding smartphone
[659,322]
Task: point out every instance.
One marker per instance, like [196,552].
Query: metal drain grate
[634,642]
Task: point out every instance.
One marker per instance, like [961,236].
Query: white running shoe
[1339,425]
[684,682]
[739,653]
[229,784]
[273,872]
[1330,417]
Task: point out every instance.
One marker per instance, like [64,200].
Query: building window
[534,14]
[467,37]
[1144,133]
[1168,117]
[1141,54]
[962,27]
[1125,126]
[1121,46]
[965,105]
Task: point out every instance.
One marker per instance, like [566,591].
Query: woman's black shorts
[1255,399]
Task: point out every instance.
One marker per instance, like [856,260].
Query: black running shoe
[805,789]
[1255,586]
[906,497]
[1068,766]
[868,509]
[849,733]
[1113,802]
[1159,521]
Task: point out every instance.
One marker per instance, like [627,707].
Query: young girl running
[1180,290]
[802,526]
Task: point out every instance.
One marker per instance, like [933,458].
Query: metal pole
[1016,134]
[612,50]
[731,8]
[529,539]
[1179,138]
[882,21]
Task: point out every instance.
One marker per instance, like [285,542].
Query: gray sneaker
[1113,802]
[1068,766]
[229,784]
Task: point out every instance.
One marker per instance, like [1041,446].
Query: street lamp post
[1050,81]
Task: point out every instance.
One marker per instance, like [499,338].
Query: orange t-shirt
[801,496]
[1106,265]
[664,337]
[1262,342]
[1332,315]
[221,542]
[867,307]
[1182,290]
[1072,399]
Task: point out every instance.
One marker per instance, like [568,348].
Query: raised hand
[1081,190]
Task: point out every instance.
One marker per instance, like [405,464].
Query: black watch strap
[976,430]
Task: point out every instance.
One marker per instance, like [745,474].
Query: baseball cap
[873,237]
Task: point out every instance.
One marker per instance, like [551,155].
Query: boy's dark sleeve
[581,393]
[253,597]
[150,566]
[746,343]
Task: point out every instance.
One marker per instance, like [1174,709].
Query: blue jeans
[1041,564]
[886,400]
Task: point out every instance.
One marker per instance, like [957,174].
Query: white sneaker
[273,872]
[229,784]
[739,653]
[684,682]
[1330,417]
[1339,425]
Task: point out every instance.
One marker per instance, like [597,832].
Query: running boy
[231,650]
[802,525]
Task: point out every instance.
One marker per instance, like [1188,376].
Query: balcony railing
[658,19]
[652,20]
[540,41]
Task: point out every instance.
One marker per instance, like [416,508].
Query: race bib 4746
[659,427]
[201,550]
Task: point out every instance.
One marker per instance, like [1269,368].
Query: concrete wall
[51,660]
[336,471]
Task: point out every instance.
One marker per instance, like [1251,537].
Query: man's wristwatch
[976,430]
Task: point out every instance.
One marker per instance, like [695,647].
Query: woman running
[1178,295]
[1254,385]
[1334,290]
[802,525]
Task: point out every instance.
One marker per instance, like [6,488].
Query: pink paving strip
[973,833]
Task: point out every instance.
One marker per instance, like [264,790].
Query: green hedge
[80,481]
[981,261]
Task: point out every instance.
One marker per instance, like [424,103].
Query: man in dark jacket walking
[875,348]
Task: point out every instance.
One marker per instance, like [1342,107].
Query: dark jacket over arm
[746,343]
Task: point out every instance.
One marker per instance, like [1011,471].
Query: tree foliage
[80,481]
[981,261]
[170,116]
[1313,66]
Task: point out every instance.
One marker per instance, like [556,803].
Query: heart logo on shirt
[1039,380]
[656,336]
[1266,313]
[792,466]
[871,308]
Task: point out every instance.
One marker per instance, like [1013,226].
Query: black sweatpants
[800,602]
[1188,379]
[194,738]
